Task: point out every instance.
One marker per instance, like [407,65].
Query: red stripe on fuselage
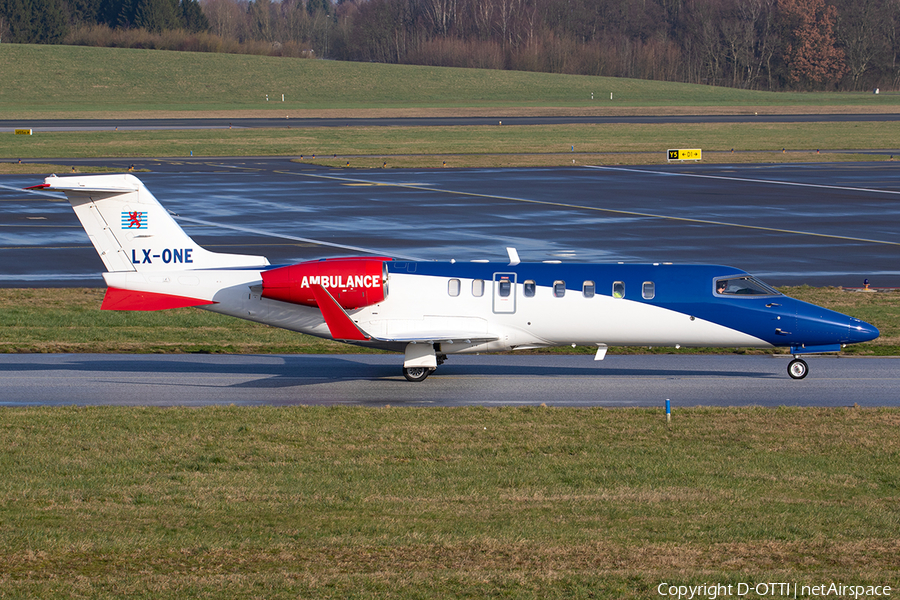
[119,299]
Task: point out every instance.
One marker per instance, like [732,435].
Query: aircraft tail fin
[131,230]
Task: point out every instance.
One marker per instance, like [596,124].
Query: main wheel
[798,369]
[416,373]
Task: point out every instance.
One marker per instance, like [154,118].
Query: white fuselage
[421,306]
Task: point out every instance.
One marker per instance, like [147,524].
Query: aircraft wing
[442,337]
[343,328]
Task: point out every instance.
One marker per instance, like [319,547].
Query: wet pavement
[816,224]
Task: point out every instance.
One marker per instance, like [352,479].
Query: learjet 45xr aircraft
[429,310]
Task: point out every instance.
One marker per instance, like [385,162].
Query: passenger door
[504,292]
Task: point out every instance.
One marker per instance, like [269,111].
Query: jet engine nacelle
[352,282]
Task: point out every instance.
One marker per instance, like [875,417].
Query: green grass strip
[474,146]
[442,503]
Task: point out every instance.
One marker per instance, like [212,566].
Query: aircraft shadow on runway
[303,370]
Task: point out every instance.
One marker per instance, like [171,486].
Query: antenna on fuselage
[513,256]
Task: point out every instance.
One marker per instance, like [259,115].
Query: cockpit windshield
[747,285]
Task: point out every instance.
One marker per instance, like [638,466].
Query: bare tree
[747,34]
[856,33]
[706,34]
[440,14]
[260,14]
[891,29]
[226,18]
[483,12]
[507,12]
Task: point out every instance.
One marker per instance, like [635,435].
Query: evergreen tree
[49,22]
[157,15]
[118,13]
[85,11]
[15,20]
[192,16]
[33,21]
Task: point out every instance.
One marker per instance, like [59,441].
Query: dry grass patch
[17,168]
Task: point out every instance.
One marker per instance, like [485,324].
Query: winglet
[339,322]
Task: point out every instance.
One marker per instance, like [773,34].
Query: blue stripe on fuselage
[687,289]
[674,283]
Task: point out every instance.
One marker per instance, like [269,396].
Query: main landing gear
[798,369]
[416,374]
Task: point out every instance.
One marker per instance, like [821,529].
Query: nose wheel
[798,369]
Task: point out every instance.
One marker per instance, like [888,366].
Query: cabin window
[503,288]
[453,287]
[748,286]
[648,291]
[618,289]
[588,289]
[528,288]
[559,288]
[478,287]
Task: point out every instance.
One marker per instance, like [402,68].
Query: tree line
[749,44]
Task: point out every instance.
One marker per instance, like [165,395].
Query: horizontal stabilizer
[104,184]
[119,299]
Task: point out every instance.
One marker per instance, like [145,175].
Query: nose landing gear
[798,369]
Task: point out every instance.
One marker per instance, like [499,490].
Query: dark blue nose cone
[820,327]
[860,331]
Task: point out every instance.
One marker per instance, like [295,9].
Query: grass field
[69,81]
[368,147]
[70,320]
[442,503]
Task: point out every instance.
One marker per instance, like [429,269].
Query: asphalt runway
[791,224]
[45,125]
[494,380]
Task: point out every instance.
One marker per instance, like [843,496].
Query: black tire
[416,374]
[798,369]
